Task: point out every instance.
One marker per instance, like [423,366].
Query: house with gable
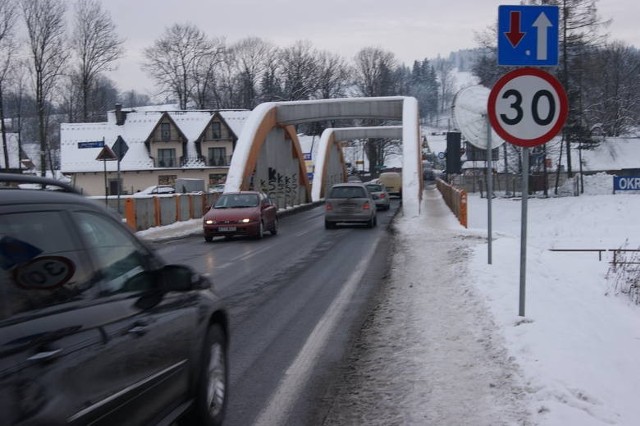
[140,147]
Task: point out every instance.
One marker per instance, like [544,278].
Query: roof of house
[76,156]
[611,154]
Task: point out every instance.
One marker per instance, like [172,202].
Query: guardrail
[455,198]
[616,261]
[143,213]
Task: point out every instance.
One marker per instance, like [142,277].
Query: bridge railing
[456,199]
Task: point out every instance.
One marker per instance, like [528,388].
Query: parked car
[246,213]
[95,328]
[379,194]
[392,181]
[217,189]
[155,190]
[349,203]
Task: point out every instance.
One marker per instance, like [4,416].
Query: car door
[148,334]
[49,332]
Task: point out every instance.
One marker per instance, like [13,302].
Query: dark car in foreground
[245,213]
[349,203]
[94,327]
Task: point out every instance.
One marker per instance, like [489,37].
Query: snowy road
[429,354]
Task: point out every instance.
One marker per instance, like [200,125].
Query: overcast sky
[412,29]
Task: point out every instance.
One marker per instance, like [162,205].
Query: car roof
[13,195]
[242,192]
[348,184]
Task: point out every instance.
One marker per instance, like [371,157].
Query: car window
[119,257]
[374,188]
[237,200]
[348,192]
[42,263]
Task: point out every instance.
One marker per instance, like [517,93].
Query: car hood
[232,213]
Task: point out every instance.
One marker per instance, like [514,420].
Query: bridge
[268,156]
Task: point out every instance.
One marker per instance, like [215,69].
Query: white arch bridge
[268,156]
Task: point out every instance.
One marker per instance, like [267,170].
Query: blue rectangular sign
[626,183]
[91,144]
[528,35]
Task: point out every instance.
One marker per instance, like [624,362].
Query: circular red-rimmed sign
[44,273]
[527,107]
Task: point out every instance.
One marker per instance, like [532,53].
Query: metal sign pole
[523,229]
[489,190]
[106,186]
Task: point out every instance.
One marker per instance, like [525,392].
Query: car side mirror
[182,278]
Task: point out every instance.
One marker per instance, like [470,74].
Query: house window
[166,158]
[216,130]
[165,132]
[218,157]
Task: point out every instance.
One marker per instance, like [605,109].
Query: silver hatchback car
[349,202]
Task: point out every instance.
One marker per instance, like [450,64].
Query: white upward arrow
[542,24]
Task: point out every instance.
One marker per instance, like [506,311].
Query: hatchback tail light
[328,207]
[366,206]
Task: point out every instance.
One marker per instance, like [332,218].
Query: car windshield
[230,201]
[375,188]
[348,192]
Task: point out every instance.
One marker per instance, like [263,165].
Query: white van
[392,181]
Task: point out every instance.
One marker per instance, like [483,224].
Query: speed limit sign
[527,107]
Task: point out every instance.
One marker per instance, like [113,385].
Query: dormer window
[216,130]
[165,132]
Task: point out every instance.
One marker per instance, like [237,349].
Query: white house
[156,146]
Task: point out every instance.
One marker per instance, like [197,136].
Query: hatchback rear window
[348,192]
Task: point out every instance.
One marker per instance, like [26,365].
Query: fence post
[463,208]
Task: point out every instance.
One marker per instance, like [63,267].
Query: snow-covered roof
[79,156]
[611,154]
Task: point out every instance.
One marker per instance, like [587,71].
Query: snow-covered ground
[447,346]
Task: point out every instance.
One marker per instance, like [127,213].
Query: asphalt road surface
[296,301]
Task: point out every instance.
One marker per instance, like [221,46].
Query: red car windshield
[232,201]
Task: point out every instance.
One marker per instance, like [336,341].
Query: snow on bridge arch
[268,156]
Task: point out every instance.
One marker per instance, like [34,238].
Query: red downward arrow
[514,35]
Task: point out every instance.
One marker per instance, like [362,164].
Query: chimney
[121,116]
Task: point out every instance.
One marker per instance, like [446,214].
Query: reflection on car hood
[232,213]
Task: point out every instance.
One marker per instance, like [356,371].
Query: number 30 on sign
[527,107]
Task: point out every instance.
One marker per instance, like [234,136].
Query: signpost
[120,148]
[106,154]
[527,107]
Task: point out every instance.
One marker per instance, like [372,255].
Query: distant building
[157,145]
[21,158]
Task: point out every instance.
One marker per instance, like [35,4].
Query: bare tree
[8,14]
[204,71]
[613,99]
[579,34]
[250,58]
[174,61]
[444,74]
[96,45]
[45,24]
[372,72]
[373,76]
[333,75]
[299,68]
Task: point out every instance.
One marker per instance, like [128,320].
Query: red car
[247,213]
